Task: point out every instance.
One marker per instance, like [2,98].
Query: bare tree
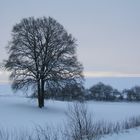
[42,54]
[80,125]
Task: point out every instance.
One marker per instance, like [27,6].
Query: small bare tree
[46,133]
[79,125]
[42,55]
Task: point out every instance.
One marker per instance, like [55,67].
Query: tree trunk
[42,92]
[39,95]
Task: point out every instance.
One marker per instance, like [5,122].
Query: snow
[133,134]
[113,111]
[20,112]
[23,112]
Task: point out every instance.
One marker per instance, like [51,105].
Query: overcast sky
[107,31]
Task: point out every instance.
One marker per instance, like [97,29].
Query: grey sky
[107,31]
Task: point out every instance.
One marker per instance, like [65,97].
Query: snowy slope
[23,112]
[20,112]
[133,134]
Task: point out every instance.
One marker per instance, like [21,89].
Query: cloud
[109,74]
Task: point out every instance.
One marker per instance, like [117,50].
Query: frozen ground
[20,112]
[133,134]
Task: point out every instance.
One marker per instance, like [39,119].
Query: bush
[132,94]
[101,91]
[79,124]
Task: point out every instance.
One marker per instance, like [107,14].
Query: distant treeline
[99,92]
[103,92]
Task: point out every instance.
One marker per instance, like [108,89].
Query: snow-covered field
[133,134]
[21,112]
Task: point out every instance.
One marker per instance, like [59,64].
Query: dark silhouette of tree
[101,91]
[41,55]
[72,92]
[132,94]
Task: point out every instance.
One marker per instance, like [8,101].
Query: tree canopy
[42,55]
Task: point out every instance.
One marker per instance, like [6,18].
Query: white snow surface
[20,112]
[133,134]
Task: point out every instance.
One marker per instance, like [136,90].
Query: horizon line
[87,74]
[110,74]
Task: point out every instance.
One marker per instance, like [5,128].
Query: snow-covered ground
[133,134]
[20,112]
